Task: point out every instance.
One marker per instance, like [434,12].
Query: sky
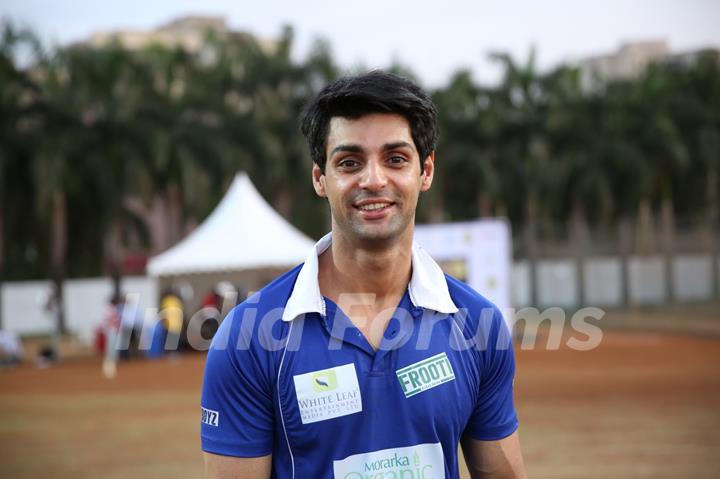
[433,38]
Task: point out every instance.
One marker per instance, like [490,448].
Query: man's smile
[373,204]
[374,208]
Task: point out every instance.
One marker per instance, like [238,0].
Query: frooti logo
[425,374]
[328,393]
[210,417]
[423,461]
[324,381]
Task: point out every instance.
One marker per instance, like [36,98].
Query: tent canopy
[244,232]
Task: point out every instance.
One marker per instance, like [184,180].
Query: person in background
[172,317]
[11,349]
[111,328]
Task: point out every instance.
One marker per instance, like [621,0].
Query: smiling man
[366,361]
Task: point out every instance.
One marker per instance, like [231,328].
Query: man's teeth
[374,206]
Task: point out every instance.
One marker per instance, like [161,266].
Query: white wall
[647,280]
[23,307]
[521,284]
[23,304]
[603,281]
[557,283]
[692,277]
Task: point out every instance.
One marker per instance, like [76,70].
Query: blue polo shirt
[288,374]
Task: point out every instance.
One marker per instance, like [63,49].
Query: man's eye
[397,160]
[348,163]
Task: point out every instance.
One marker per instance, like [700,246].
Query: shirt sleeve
[236,403]
[494,416]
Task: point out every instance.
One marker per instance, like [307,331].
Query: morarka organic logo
[394,466]
[424,461]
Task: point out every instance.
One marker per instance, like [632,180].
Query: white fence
[24,311]
[23,303]
[648,281]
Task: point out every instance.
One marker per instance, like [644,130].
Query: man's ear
[428,171]
[318,178]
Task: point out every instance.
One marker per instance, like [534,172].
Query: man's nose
[374,176]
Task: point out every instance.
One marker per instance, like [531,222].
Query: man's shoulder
[466,297]
[477,314]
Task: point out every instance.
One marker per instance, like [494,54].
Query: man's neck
[379,269]
[366,283]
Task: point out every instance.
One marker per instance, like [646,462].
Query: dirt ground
[642,404]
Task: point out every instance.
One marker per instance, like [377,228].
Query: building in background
[631,60]
[187,32]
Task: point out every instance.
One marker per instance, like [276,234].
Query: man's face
[372,177]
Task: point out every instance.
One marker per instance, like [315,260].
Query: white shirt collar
[428,288]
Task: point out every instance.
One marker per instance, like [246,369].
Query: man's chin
[377,235]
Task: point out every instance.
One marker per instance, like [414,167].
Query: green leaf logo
[323,381]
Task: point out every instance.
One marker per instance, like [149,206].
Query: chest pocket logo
[425,374]
[328,393]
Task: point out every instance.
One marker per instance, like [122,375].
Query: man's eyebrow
[351,148]
[396,145]
[355,148]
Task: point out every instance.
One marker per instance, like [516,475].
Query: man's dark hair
[374,92]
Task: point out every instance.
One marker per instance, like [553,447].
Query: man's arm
[227,467]
[500,459]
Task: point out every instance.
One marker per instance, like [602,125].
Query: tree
[19,92]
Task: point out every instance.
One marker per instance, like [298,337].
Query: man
[172,318]
[365,361]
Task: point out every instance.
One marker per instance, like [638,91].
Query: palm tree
[18,96]
[172,138]
[62,141]
[466,151]
[524,154]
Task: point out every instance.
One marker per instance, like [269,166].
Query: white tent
[242,233]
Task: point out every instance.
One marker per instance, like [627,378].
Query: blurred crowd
[126,332]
